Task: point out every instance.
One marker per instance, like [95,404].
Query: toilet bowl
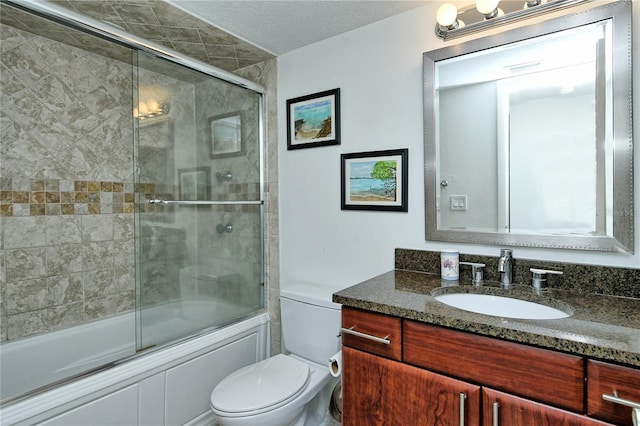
[277,391]
[273,392]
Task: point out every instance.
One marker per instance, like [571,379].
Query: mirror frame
[623,215]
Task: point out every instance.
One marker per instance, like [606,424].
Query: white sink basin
[500,306]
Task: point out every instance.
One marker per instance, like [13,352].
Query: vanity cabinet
[440,376]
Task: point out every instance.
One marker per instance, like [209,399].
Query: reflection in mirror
[528,135]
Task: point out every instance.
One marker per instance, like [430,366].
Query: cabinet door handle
[351,331]
[617,400]
[462,399]
[496,407]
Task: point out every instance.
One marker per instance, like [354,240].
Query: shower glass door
[199,217]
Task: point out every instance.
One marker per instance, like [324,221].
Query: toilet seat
[260,387]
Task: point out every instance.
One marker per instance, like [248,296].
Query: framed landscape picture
[375,180]
[314,120]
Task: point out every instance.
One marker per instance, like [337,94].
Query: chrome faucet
[505,267]
[539,279]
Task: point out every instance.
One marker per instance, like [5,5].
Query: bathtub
[40,360]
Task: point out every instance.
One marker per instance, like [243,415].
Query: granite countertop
[602,327]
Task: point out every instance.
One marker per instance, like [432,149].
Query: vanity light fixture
[151,109]
[451,23]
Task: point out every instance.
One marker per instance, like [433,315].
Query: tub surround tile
[64,259]
[26,295]
[3,328]
[63,230]
[22,264]
[24,232]
[3,279]
[109,305]
[98,283]
[97,228]
[123,252]
[20,210]
[65,289]
[97,255]
[26,324]
[123,226]
[124,278]
[66,315]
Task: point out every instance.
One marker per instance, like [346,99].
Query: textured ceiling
[162,23]
[280,26]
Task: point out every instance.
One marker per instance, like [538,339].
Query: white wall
[378,69]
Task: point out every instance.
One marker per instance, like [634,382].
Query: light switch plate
[458,202]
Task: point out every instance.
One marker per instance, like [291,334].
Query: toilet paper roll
[335,364]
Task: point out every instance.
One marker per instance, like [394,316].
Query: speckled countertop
[602,327]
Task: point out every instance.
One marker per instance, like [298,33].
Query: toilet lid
[267,384]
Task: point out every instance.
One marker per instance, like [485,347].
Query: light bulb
[143,108]
[447,15]
[487,7]
[153,106]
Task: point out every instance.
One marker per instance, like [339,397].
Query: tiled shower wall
[66,199]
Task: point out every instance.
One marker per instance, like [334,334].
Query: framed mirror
[528,135]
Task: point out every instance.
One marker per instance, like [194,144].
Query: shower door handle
[204,203]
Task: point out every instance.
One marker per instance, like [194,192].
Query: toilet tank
[310,322]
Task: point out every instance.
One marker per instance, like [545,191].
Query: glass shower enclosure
[131,208]
[198,187]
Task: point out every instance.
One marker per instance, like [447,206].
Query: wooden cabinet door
[379,391]
[609,379]
[515,411]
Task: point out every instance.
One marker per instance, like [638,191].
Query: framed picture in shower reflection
[194,184]
[225,135]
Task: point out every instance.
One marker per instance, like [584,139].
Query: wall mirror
[528,135]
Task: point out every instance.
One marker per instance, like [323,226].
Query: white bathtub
[40,360]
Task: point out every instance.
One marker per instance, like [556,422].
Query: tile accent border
[53,197]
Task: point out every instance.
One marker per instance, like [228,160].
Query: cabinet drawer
[503,409]
[542,375]
[603,378]
[385,330]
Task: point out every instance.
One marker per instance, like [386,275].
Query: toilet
[280,391]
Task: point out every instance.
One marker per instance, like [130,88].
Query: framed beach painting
[375,180]
[314,120]
[194,184]
[225,135]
